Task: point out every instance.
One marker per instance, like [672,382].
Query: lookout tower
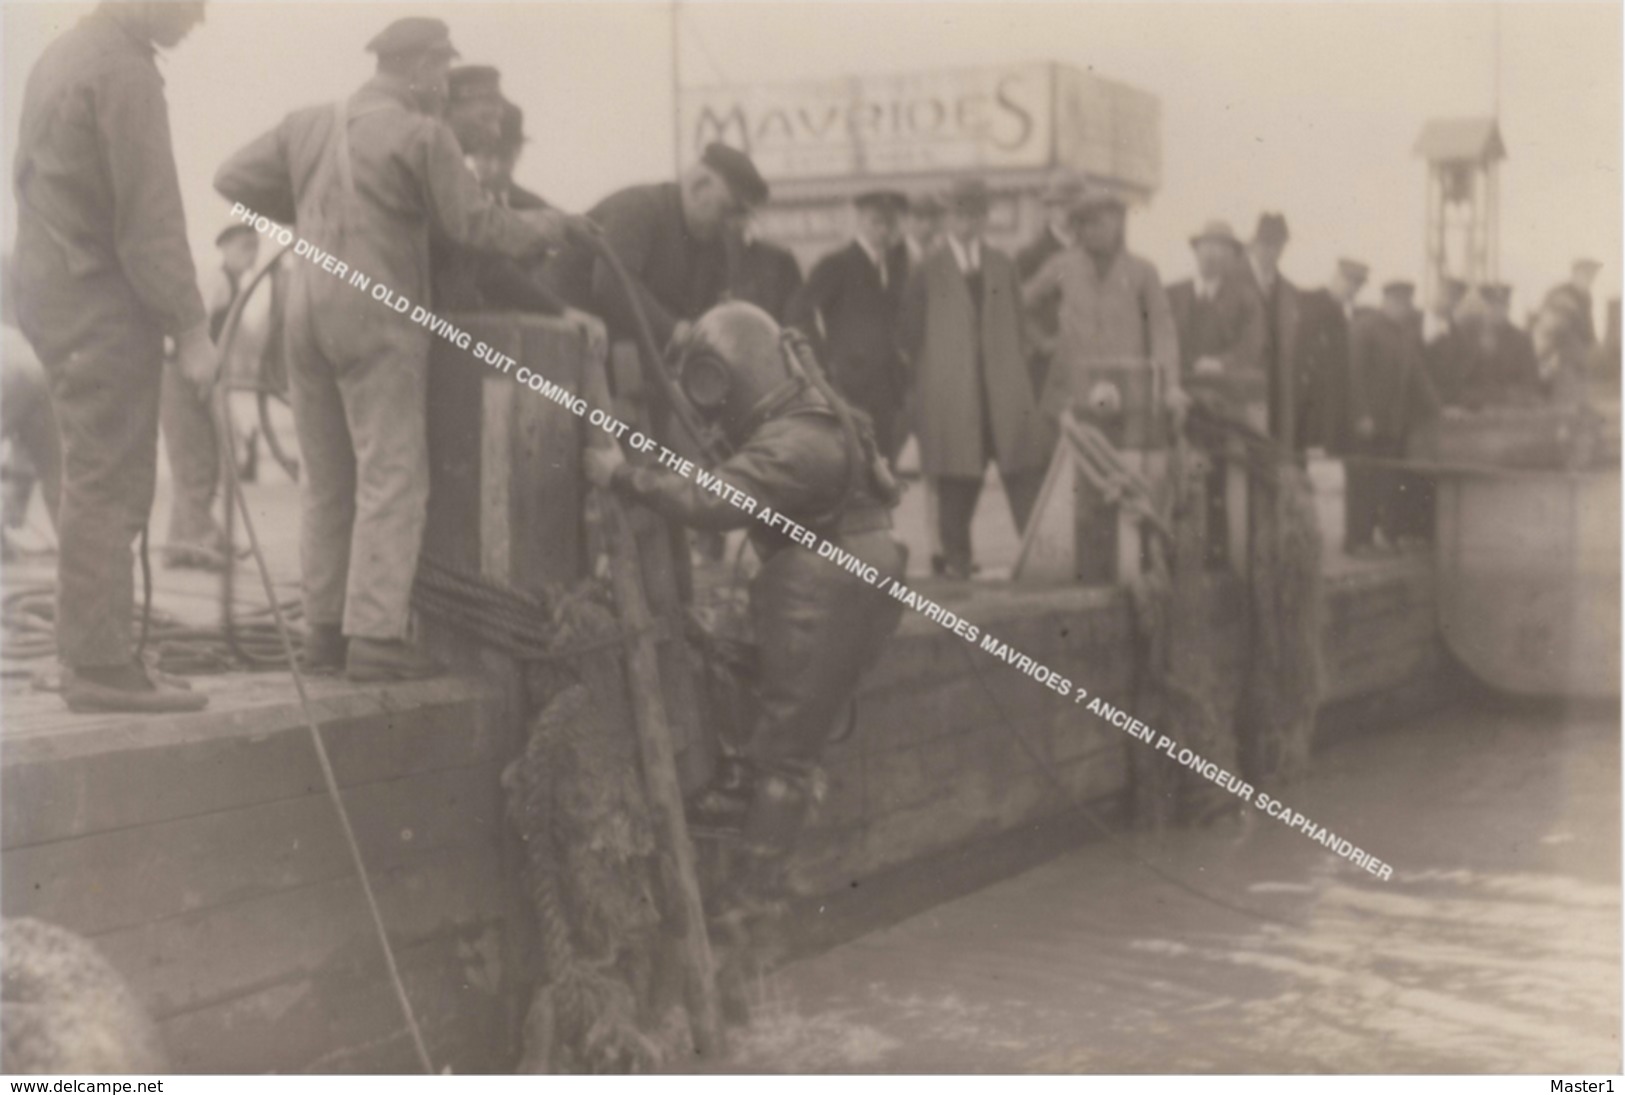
[1463,199]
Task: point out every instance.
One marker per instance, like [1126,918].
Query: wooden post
[655,747]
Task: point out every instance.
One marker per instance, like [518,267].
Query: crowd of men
[920,323]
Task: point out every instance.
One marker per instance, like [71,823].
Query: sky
[1310,109]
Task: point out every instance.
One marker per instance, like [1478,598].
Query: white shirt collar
[969,261]
[1205,288]
[1265,280]
[875,257]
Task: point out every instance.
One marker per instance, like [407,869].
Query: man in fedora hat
[1059,197]
[1110,309]
[961,332]
[368,180]
[1287,386]
[849,308]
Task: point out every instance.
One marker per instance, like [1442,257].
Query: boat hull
[1529,579]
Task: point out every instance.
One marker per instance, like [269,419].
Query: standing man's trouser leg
[365,488]
[194,462]
[1021,490]
[105,394]
[956,506]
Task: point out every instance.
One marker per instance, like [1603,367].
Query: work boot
[388,660]
[323,649]
[125,688]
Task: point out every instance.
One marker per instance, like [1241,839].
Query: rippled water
[1495,947]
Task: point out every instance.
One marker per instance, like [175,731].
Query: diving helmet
[733,369]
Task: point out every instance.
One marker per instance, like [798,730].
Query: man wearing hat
[368,180]
[104,275]
[494,165]
[1324,316]
[1218,316]
[1441,318]
[761,272]
[1390,395]
[1060,196]
[1110,309]
[849,308]
[191,440]
[961,332]
[1565,334]
[922,228]
[1279,299]
[670,239]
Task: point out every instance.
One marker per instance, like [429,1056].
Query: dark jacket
[763,274]
[1388,379]
[1323,366]
[852,319]
[1229,327]
[1472,369]
[680,276]
[1279,357]
[466,280]
[94,174]
[1033,257]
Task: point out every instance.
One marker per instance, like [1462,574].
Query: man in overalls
[368,180]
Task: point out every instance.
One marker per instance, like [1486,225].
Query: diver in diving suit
[798,448]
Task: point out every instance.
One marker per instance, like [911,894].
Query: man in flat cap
[1565,334]
[1324,316]
[1220,323]
[1111,312]
[191,440]
[104,274]
[1279,298]
[961,332]
[1059,197]
[849,308]
[670,238]
[1390,395]
[369,180]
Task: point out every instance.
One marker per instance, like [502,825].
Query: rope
[235,491]
[1115,838]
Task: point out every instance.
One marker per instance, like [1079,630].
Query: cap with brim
[737,171]
[1404,289]
[1217,232]
[893,202]
[968,197]
[1497,292]
[234,229]
[1353,269]
[473,82]
[414,34]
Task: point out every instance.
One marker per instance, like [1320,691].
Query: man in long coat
[1060,198]
[961,331]
[849,309]
[1288,387]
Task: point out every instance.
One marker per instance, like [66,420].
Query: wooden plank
[496,427]
[347,1019]
[196,959]
[126,877]
[157,770]
[545,490]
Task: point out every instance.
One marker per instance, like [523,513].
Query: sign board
[879,125]
[1029,117]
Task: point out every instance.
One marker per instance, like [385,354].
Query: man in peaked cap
[368,180]
[474,105]
[1324,316]
[670,238]
[849,308]
[1390,394]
